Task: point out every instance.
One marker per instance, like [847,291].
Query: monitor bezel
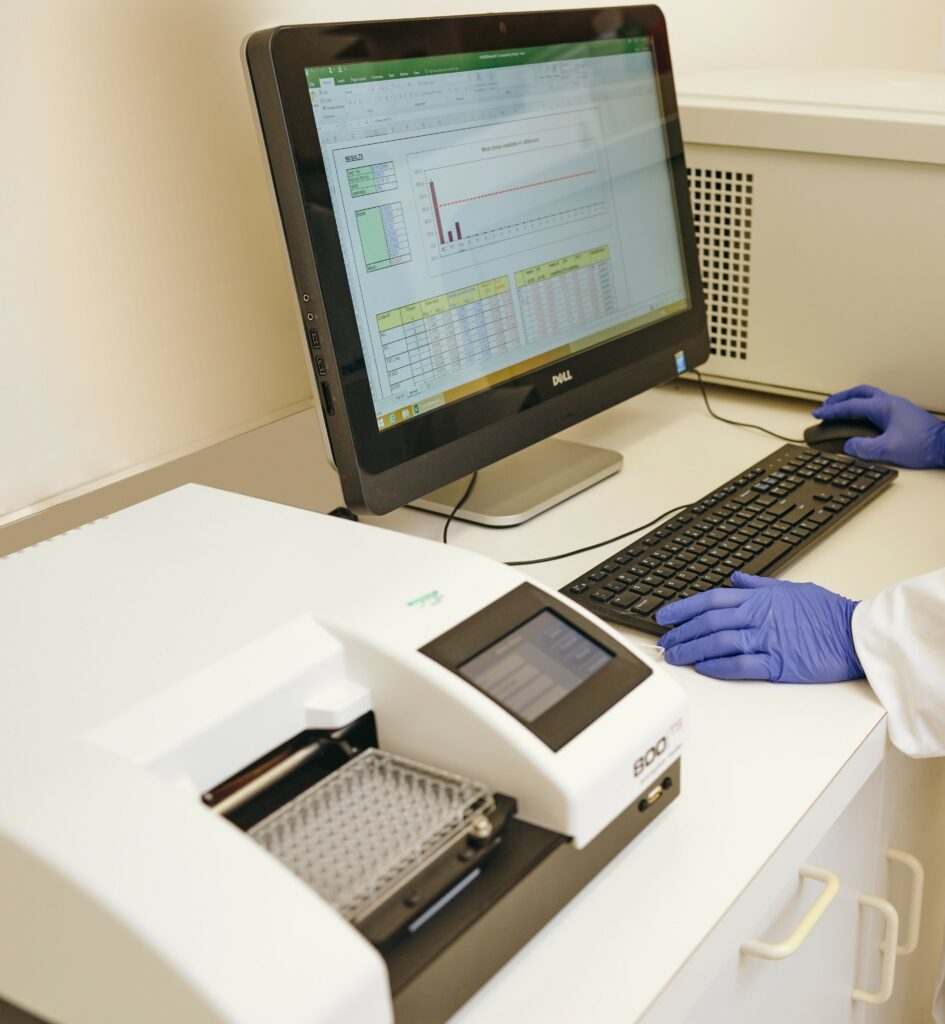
[382,470]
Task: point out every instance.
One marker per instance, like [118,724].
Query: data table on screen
[440,336]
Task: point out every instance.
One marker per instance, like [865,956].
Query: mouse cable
[459,504]
[601,543]
[738,423]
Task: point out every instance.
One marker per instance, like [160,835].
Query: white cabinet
[913,819]
[901,805]
[815,983]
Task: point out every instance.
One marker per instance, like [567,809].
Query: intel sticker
[680,358]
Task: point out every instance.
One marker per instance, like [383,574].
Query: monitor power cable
[459,504]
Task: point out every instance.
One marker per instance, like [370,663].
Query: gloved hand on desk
[911,437]
[763,629]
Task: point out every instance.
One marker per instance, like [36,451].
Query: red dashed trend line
[517,188]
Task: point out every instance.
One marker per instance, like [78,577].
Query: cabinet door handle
[910,942]
[888,947]
[779,950]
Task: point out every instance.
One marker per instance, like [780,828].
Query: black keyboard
[756,523]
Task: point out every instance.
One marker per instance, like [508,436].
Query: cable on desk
[459,504]
[601,543]
[738,423]
[636,529]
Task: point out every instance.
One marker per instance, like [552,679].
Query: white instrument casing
[149,656]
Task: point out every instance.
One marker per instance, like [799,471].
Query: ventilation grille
[721,212]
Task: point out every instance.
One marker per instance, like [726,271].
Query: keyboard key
[768,557]
[796,514]
[603,596]
[614,587]
[647,605]
[577,588]
[597,576]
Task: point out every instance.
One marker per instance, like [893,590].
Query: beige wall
[145,307]
[904,35]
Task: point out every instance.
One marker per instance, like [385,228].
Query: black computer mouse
[831,435]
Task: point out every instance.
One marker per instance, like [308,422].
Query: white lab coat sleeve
[899,635]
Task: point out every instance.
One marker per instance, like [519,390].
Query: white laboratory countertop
[757,757]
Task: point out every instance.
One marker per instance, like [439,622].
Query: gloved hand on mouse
[911,437]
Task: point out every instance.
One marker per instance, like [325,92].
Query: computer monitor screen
[496,237]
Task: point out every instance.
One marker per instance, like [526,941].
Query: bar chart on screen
[484,191]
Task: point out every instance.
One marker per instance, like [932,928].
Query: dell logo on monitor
[560,378]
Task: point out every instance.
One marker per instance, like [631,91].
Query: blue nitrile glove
[763,629]
[911,436]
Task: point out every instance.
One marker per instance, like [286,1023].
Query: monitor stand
[515,489]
